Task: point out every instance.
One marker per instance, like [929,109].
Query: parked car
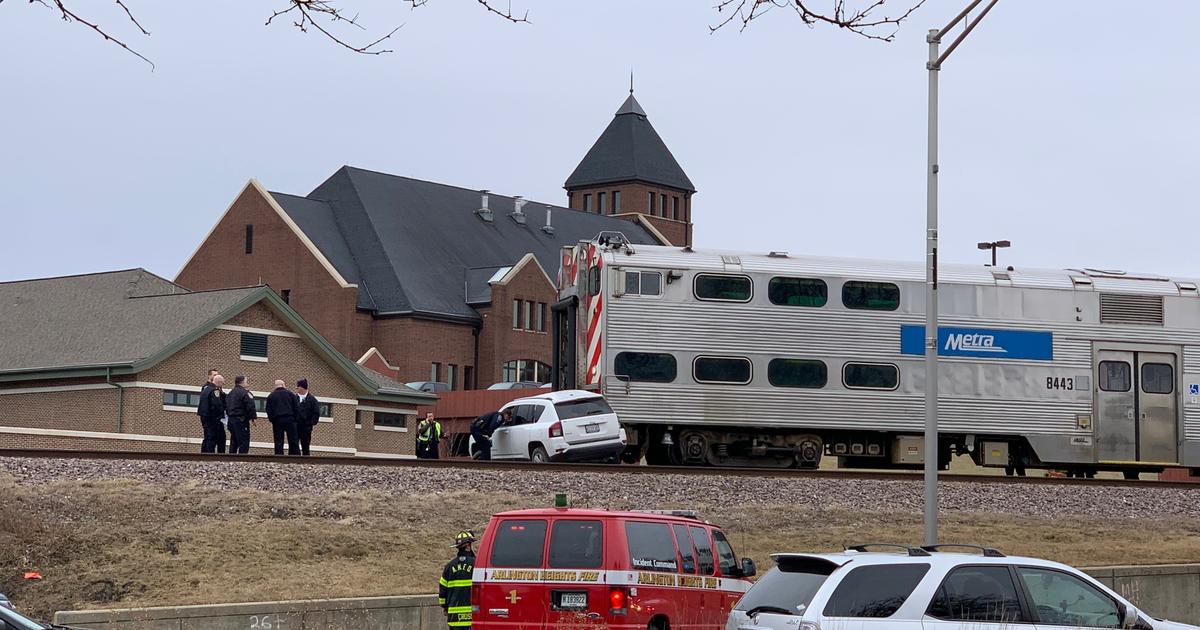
[5,602]
[569,425]
[517,385]
[432,387]
[926,588]
[552,568]
[13,620]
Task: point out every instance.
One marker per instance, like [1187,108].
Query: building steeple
[629,171]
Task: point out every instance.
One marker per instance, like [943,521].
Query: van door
[511,593]
[1158,425]
[706,567]
[573,580]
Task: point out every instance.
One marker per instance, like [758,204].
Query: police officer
[212,415]
[310,415]
[454,589]
[429,437]
[202,410]
[484,426]
[283,407]
[239,406]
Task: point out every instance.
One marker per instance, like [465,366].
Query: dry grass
[125,543]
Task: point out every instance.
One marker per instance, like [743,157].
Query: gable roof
[415,247]
[123,322]
[629,150]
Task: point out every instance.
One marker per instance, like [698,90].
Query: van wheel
[658,623]
[538,455]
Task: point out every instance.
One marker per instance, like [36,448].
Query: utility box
[994,453]
[909,449]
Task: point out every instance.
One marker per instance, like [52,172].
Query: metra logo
[976,342]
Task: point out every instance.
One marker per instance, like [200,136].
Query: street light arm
[937,65]
[958,18]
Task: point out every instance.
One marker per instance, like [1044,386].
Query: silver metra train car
[735,359]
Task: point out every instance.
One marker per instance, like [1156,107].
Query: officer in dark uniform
[484,426]
[239,405]
[454,589]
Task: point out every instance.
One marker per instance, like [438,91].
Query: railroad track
[579,467]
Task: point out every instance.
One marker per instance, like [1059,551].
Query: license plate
[572,600]
[591,428]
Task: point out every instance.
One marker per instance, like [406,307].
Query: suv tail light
[556,430]
[618,600]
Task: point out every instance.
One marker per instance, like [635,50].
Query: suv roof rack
[910,550]
[988,552]
[692,514]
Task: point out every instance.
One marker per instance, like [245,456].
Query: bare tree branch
[70,16]
[867,21]
[486,4]
[305,9]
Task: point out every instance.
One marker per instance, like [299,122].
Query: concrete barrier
[1171,591]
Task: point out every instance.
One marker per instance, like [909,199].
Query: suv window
[1061,599]
[581,408]
[518,544]
[788,588]
[576,545]
[651,547]
[704,552]
[726,559]
[875,590]
[687,557]
[977,594]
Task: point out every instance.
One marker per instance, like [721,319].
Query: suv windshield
[787,589]
[581,408]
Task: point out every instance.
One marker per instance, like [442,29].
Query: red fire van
[572,567]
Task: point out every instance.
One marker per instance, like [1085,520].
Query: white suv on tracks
[564,426]
[926,588]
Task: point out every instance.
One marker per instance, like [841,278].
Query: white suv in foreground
[927,589]
[568,425]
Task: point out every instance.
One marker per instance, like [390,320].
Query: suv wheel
[538,455]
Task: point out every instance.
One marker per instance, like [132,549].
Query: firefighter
[454,589]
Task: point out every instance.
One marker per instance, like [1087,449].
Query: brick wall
[369,439]
[635,200]
[413,345]
[499,341]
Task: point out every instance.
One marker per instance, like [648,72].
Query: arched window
[526,370]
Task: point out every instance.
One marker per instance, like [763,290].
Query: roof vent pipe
[484,212]
[518,214]
[549,229]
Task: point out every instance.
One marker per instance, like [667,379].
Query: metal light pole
[994,245]
[931,248]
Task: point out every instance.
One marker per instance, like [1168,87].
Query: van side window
[726,559]
[577,545]
[651,547]
[875,591]
[704,553]
[686,555]
[519,544]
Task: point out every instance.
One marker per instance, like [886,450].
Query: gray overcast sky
[1068,127]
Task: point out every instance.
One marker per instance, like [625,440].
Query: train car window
[576,545]
[809,292]
[871,296]
[875,591]
[723,288]
[1158,378]
[643,283]
[1115,376]
[977,594]
[594,281]
[686,556]
[651,547]
[518,544]
[648,367]
[870,376]
[704,552]
[721,370]
[802,373]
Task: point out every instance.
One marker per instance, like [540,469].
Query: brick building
[431,282]
[114,361]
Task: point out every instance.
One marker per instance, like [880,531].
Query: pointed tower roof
[629,150]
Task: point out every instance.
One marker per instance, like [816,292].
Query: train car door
[1136,407]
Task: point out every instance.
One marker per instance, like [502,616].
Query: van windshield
[787,589]
[582,408]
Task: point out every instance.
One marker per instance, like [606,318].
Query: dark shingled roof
[629,150]
[411,245]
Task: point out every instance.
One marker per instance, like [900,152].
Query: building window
[616,205]
[516,313]
[249,239]
[172,398]
[434,370]
[254,345]
[650,204]
[721,370]
[643,283]
[662,205]
[540,315]
[800,373]
[870,376]
[601,208]
[469,377]
[723,288]
[798,292]
[325,410]
[871,296]
[675,208]
[393,420]
[649,367]
[528,319]
[587,203]
[286,294]
[526,370]
[451,371]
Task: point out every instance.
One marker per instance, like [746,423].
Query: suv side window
[875,590]
[532,413]
[1061,599]
[651,546]
[726,559]
[704,552]
[687,557]
[977,593]
[518,544]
